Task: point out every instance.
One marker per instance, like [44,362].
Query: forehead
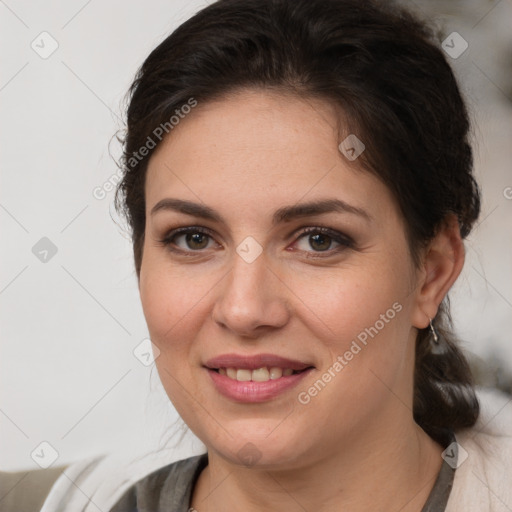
[255,124]
[257,149]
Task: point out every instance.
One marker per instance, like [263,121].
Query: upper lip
[254,362]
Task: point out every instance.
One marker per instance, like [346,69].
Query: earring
[434,333]
[437,345]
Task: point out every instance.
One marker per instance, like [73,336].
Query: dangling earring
[434,333]
[437,345]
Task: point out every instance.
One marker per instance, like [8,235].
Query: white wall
[68,326]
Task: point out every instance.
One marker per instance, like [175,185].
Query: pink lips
[250,391]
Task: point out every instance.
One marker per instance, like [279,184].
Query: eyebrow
[284,214]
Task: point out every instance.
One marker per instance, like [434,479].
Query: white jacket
[482,482]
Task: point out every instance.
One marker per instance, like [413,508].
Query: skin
[354,446]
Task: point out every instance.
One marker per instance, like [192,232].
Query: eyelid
[333,233]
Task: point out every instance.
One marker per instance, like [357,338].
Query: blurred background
[75,377]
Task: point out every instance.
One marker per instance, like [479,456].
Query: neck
[382,469]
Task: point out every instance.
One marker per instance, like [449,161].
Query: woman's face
[247,289]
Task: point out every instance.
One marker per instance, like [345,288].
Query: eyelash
[345,241]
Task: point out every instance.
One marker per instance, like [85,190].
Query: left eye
[321,240]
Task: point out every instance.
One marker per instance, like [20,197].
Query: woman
[298,182]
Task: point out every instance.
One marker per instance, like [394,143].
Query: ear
[441,265]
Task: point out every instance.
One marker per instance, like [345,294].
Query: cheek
[169,299]
[172,306]
[348,300]
[176,306]
[361,316]
[364,354]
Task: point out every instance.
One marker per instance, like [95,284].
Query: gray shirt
[169,489]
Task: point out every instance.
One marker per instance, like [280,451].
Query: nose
[252,298]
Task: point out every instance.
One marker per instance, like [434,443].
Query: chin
[250,448]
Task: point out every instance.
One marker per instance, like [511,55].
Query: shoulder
[124,481]
[26,490]
[483,475]
[167,488]
[71,480]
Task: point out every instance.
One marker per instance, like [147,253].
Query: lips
[284,375]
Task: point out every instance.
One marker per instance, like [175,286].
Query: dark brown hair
[385,70]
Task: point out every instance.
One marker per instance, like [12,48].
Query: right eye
[195,239]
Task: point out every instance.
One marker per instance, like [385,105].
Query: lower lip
[254,392]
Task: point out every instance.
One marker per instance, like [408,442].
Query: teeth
[243,375]
[276,373]
[259,375]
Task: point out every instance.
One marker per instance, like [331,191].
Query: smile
[259,375]
[255,378]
